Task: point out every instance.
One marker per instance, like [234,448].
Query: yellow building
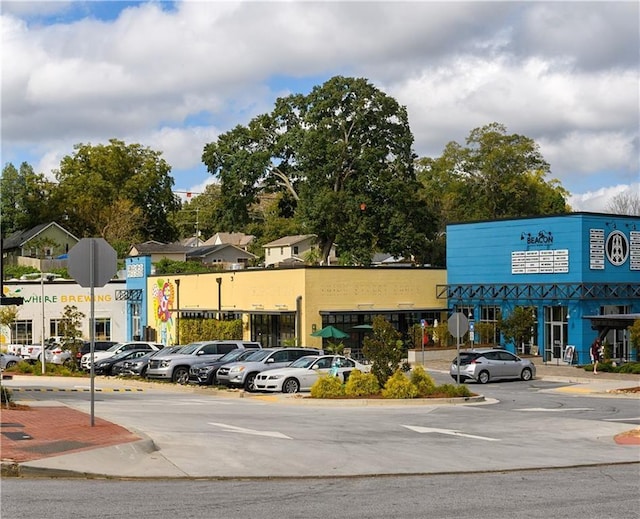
[286,305]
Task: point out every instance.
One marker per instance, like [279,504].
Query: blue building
[564,269]
[138,268]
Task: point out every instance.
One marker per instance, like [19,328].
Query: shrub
[422,381]
[630,367]
[361,384]
[327,386]
[399,386]
[451,391]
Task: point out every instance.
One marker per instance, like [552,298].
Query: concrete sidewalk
[51,439]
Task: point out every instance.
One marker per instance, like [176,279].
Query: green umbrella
[330,332]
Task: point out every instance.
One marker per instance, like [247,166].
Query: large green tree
[24,197]
[96,181]
[496,175]
[343,153]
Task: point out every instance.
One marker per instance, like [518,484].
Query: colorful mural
[163,298]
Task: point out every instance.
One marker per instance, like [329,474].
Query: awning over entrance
[604,323]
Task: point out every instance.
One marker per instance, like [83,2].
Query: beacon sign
[617,248]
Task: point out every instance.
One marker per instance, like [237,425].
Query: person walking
[595,354]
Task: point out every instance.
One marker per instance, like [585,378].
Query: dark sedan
[138,367]
[104,366]
[204,373]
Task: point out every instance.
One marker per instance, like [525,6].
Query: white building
[45,303]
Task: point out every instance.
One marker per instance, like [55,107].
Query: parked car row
[175,367]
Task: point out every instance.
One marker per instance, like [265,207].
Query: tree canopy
[100,184]
[496,175]
[24,198]
[343,155]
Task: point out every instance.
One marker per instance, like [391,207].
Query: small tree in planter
[384,348]
[518,326]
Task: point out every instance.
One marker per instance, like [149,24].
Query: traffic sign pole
[92,262]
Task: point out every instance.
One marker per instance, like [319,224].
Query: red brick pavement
[30,433]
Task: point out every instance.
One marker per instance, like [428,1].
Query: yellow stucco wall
[321,289]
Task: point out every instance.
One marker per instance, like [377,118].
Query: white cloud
[174,80]
[598,201]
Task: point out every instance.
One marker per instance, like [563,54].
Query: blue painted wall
[573,248]
[138,269]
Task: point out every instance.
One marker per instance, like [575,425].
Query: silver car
[491,364]
[9,360]
[243,373]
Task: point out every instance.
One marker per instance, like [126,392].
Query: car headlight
[237,369]
[164,363]
[274,377]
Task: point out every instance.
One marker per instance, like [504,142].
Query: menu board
[596,249]
[540,262]
[634,250]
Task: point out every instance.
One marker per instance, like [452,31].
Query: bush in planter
[328,386]
[399,386]
[422,381]
[452,391]
[361,384]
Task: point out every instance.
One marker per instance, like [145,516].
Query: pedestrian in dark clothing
[596,354]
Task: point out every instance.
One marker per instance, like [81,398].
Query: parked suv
[85,363]
[243,373]
[176,367]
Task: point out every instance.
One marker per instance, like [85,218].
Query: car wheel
[143,372]
[526,374]
[250,382]
[291,385]
[10,364]
[181,375]
[483,377]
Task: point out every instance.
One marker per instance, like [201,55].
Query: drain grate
[17,435]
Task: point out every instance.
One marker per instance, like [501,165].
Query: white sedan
[301,374]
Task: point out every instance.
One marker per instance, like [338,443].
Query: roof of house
[154,247]
[238,239]
[289,240]
[19,238]
[206,250]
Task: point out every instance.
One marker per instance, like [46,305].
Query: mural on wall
[163,297]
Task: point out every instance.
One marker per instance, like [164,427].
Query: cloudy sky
[174,75]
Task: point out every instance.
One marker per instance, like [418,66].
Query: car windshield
[115,347]
[233,355]
[466,358]
[259,355]
[122,354]
[190,348]
[303,362]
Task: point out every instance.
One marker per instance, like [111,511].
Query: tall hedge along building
[579,274]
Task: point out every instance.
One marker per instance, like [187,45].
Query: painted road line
[450,432]
[242,430]
[74,390]
[554,410]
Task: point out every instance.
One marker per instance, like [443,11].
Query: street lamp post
[42,355]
